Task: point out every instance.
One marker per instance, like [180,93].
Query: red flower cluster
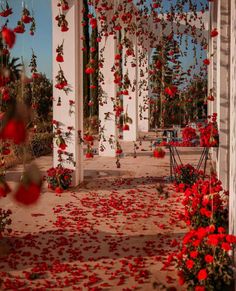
[209,135]
[14,130]
[159,153]
[185,176]
[205,251]
[9,36]
[205,203]
[59,178]
[189,134]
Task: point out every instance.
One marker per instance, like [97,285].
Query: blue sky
[41,43]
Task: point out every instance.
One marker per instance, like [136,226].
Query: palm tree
[7,63]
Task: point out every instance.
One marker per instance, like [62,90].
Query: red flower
[19,29]
[181,280]
[64,28]
[8,36]
[58,190]
[36,76]
[159,153]
[212,240]
[200,288]
[194,254]
[125,127]
[89,70]
[89,155]
[206,62]
[226,246]
[62,146]
[27,194]
[214,32]
[190,264]
[88,138]
[26,19]
[93,23]
[65,6]
[6,12]
[14,130]
[119,151]
[171,91]
[209,259]
[202,275]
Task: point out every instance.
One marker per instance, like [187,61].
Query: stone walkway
[112,233]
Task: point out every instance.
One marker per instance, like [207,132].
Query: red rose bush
[205,202]
[186,176]
[59,178]
[204,262]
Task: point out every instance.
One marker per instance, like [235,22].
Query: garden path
[114,232]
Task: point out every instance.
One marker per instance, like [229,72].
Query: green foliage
[41,144]
[36,94]
[167,72]
[41,96]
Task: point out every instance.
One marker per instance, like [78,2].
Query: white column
[215,74]
[143,90]
[232,175]
[73,70]
[130,102]
[106,109]
[224,88]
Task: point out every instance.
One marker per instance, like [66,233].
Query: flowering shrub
[209,135]
[185,176]
[189,134]
[59,178]
[5,221]
[205,204]
[204,262]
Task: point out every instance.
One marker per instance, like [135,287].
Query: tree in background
[170,102]
[194,99]
[166,77]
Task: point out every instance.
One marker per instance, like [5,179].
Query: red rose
[209,259]
[59,58]
[212,240]
[125,127]
[27,194]
[6,12]
[14,130]
[89,70]
[8,36]
[89,155]
[58,190]
[214,32]
[206,62]
[19,29]
[171,91]
[64,28]
[202,275]
[62,146]
[181,280]
[200,288]
[194,254]
[26,19]
[65,7]
[190,264]
[226,246]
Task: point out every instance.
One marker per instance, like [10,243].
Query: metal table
[175,160]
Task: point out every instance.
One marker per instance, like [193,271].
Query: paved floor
[112,233]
